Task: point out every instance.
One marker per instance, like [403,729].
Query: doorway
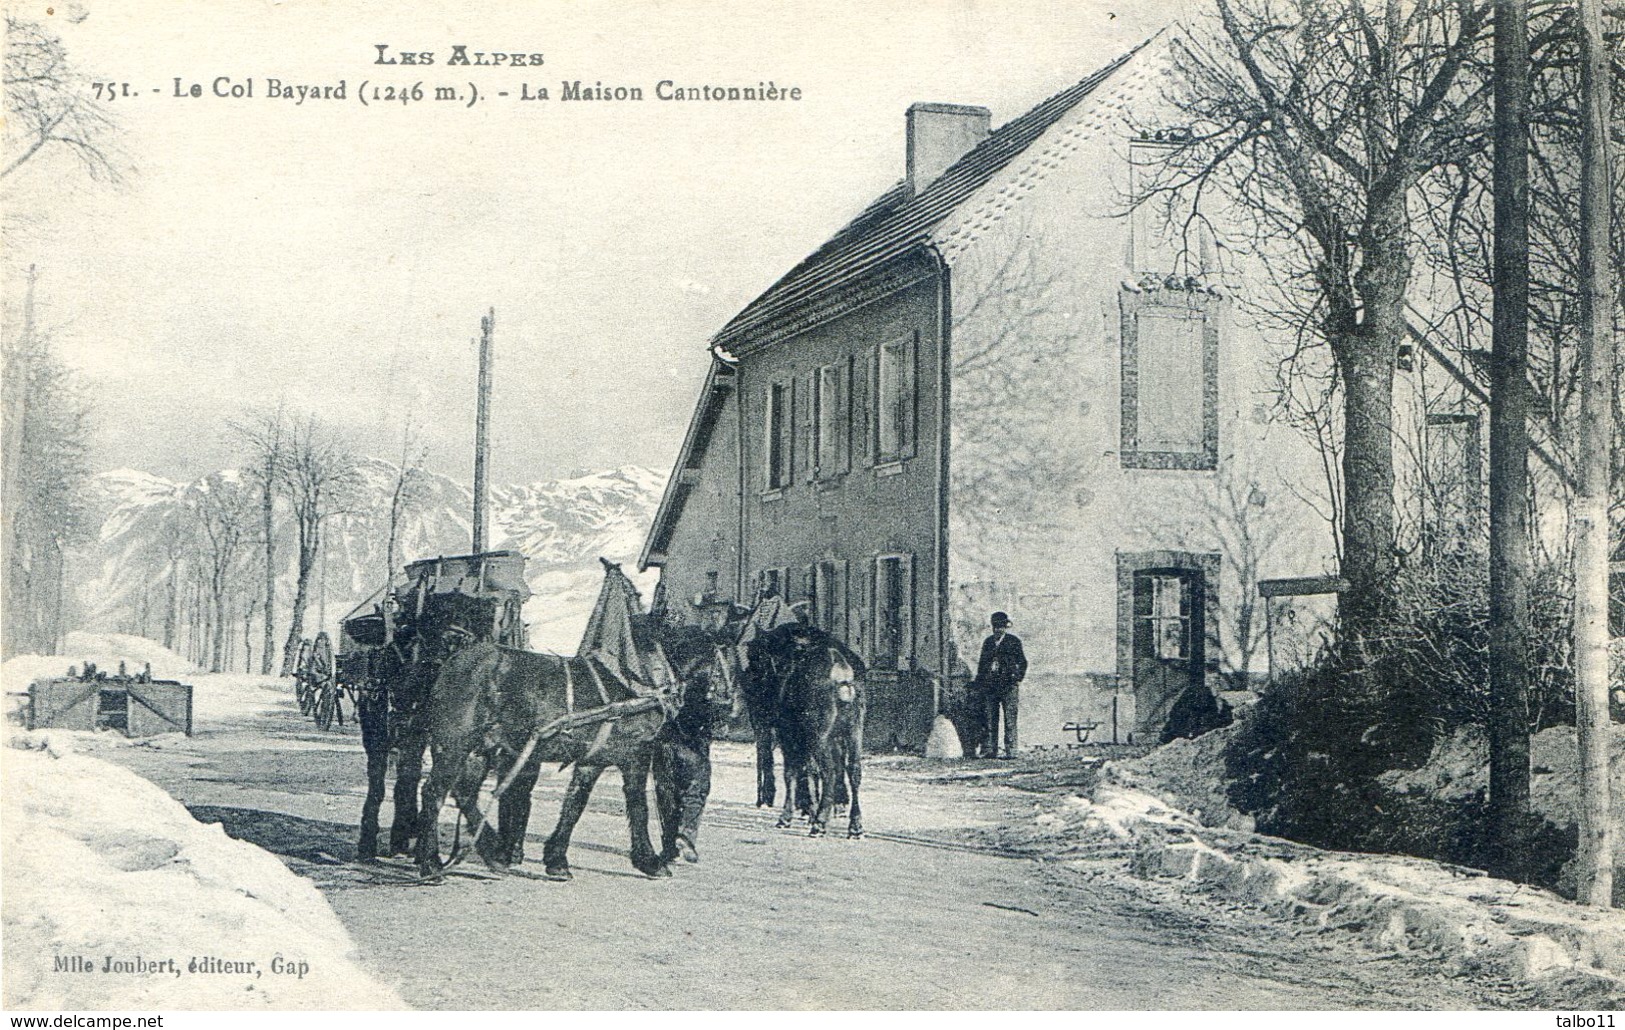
[1168,646]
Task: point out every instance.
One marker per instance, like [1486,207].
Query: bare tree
[1477,254]
[176,543]
[407,492]
[47,484]
[1317,120]
[221,510]
[49,107]
[265,437]
[1233,513]
[319,479]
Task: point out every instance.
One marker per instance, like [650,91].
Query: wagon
[467,597]
[439,604]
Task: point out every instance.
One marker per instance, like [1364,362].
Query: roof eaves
[721,372]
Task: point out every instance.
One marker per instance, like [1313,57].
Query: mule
[820,728]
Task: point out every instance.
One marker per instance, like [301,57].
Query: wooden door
[1168,645]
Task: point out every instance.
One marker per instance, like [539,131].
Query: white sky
[339,257]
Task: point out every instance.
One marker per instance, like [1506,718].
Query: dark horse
[390,708]
[819,725]
[512,710]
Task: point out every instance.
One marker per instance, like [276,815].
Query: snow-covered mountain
[149,534]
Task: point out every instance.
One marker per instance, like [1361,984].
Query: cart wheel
[324,681]
[302,679]
[325,703]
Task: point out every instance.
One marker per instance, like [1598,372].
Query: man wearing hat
[998,678]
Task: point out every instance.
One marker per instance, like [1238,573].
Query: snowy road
[914,917]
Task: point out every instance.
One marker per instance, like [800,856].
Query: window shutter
[770,426]
[787,433]
[908,388]
[872,412]
[819,415]
[866,615]
[843,418]
[809,454]
[905,633]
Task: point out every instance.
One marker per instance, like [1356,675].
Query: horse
[820,727]
[390,709]
[512,709]
[387,707]
[488,708]
[768,659]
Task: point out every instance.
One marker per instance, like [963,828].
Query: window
[895,398]
[1170,407]
[894,611]
[1455,489]
[828,596]
[832,419]
[1162,604]
[778,447]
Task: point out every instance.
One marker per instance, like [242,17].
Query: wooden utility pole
[1509,446]
[1596,855]
[482,432]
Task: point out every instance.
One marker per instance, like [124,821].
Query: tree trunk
[1509,449]
[268,516]
[1366,365]
[1595,868]
[309,545]
[217,663]
[248,638]
[172,611]
[14,398]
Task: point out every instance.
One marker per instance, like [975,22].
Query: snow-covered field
[100,864]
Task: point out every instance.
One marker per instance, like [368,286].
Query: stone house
[1003,386]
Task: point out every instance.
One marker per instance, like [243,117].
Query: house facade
[1003,387]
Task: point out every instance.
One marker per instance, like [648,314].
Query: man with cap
[999,673]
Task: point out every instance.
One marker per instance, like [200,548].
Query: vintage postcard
[824,505]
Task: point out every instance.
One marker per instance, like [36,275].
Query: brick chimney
[939,135]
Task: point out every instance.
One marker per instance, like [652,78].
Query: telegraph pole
[1597,832]
[1509,447]
[482,432]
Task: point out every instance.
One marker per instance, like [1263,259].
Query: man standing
[998,678]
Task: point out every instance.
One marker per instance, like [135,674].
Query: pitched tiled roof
[898,221]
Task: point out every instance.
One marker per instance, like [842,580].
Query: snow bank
[1470,921]
[1191,772]
[219,699]
[105,649]
[101,864]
